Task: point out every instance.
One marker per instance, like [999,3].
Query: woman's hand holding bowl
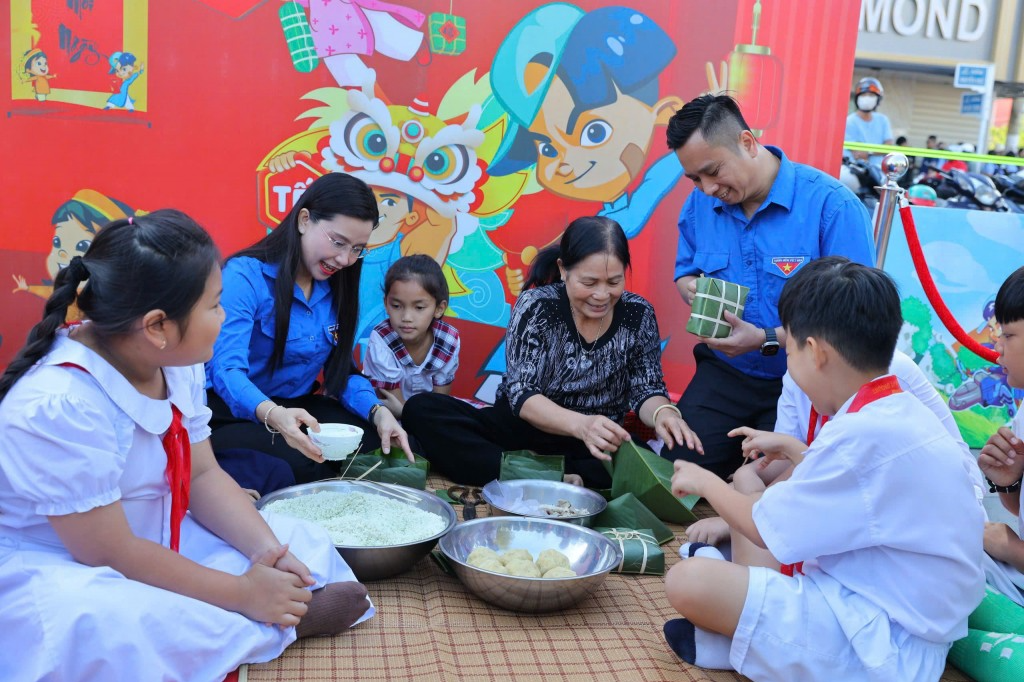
[288,422]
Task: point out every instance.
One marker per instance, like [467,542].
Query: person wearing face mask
[866,124]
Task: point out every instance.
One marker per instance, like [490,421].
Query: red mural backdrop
[483,127]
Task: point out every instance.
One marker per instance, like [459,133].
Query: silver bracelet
[267,426]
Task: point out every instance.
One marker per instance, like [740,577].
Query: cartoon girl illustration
[75,224]
[123,64]
[38,69]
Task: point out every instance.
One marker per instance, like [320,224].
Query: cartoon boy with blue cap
[581,89]
[123,64]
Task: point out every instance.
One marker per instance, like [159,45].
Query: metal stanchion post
[894,165]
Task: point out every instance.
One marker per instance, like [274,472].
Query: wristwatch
[373,413]
[771,342]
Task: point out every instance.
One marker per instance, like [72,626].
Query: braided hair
[160,261]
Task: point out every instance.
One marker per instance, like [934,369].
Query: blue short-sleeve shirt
[807,214]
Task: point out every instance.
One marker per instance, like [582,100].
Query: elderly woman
[581,352]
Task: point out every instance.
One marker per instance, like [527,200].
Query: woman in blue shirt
[283,360]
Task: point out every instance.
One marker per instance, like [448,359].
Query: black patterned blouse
[545,355]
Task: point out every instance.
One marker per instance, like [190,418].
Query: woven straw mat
[429,628]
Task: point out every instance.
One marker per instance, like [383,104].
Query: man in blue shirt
[867,124]
[757,219]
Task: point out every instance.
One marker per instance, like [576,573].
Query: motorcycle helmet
[872,85]
[872,92]
[922,195]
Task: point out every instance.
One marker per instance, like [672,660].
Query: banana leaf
[527,464]
[628,512]
[395,468]
[640,552]
[714,297]
[649,477]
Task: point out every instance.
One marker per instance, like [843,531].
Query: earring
[163,345]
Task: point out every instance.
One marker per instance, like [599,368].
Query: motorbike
[968,190]
[864,179]
[1011,185]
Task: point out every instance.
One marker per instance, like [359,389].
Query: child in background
[413,351]
[889,577]
[124,549]
[994,646]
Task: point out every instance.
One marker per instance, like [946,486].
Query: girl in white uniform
[889,577]
[125,552]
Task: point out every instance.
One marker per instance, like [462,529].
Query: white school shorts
[799,628]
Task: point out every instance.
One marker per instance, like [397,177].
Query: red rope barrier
[917,255]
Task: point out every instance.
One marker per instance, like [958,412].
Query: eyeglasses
[343,247]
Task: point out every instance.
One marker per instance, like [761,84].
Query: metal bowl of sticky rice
[591,556]
[380,529]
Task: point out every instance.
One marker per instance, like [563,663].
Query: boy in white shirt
[889,576]
[798,418]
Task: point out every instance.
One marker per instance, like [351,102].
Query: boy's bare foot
[335,607]
[711,531]
[573,479]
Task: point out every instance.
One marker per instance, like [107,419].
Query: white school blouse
[71,441]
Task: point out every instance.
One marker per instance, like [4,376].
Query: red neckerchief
[868,393]
[814,424]
[179,467]
[179,472]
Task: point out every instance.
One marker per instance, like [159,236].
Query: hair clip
[130,219]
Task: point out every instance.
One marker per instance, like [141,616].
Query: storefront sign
[971,76]
[958,29]
[971,103]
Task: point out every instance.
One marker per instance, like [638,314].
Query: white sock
[690,549]
[712,649]
[697,646]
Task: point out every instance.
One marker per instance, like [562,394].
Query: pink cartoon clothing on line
[361,27]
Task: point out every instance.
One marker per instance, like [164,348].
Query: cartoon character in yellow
[38,69]
[424,167]
[75,224]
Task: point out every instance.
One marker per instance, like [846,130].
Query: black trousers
[230,433]
[465,443]
[719,399]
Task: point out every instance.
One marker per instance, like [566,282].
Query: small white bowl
[337,441]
